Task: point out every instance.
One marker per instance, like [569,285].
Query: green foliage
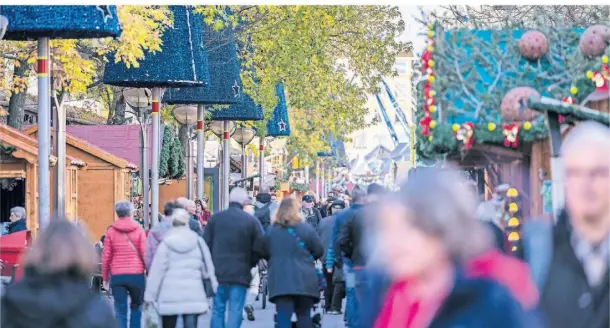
[328,57]
[299,186]
[176,163]
[164,157]
[171,162]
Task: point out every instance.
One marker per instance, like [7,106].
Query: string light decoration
[513,224]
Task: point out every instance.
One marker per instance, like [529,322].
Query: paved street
[264,319]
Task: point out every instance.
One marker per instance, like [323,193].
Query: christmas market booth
[19,177]
[105,180]
[477,97]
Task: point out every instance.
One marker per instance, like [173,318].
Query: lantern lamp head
[217,128]
[244,135]
[186,115]
[137,97]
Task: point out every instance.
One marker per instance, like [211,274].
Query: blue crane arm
[386,118]
[401,115]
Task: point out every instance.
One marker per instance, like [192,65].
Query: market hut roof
[60,22]
[21,141]
[183,61]
[570,112]
[91,149]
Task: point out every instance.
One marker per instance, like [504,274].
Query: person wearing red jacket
[123,264]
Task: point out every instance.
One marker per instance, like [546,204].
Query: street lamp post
[223,130]
[187,115]
[140,100]
[244,136]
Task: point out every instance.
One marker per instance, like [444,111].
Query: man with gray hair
[231,236]
[190,206]
[17,220]
[569,261]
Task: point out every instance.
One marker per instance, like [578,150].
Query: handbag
[207,281]
[150,316]
[321,279]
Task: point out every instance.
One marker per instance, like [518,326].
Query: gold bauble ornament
[431,63]
[431,78]
[589,75]
[455,127]
[605,59]
[430,48]
[432,109]
[491,126]
[527,125]
[432,93]
[430,138]
[432,124]
[573,90]
[430,34]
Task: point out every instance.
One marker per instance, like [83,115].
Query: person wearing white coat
[175,280]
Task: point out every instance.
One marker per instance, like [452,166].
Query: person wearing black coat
[231,236]
[291,247]
[54,290]
[17,220]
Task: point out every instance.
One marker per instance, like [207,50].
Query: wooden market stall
[19,175]
[473,98]
[106,180]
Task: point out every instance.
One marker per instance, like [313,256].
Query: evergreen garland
[165,155]
[176,163]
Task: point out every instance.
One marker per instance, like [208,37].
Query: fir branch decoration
[165,155]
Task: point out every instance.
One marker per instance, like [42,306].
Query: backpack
[263,214]
[537,243]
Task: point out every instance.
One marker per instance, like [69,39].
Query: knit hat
[181,215]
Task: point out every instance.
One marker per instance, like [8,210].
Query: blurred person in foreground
[355,240]
[191,208]
[335,283]
[291,246]
[231,236]
[123,264]
[54,290]
[425,250]
[352,312]
[156,234]
[175,282]
[570,260]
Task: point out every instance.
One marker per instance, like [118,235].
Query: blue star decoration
[105,10]
[282,125]
[236,89]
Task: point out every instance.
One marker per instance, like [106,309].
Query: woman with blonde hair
[55,288]
[176,278]
[291,246]
[429,238]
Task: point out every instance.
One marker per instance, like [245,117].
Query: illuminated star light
[105,10]
[282,125]
[236,88]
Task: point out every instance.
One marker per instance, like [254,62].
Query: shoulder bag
[321,279]
[207,281]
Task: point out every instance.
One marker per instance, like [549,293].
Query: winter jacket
[475,303]
[337,254]
[155,236]
[175,277]
[312,216]
[195,225]
[118,256]
[566,299]
[265,209]
[325,231]
[351,236]
[54,301]
[291,270]
[16,226]
[231,235]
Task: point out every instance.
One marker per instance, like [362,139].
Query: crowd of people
[428,254]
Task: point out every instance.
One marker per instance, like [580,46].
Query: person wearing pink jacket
[123,264]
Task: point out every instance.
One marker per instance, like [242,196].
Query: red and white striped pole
[156,135]
[44,134]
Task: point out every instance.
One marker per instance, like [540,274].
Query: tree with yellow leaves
[77,65]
